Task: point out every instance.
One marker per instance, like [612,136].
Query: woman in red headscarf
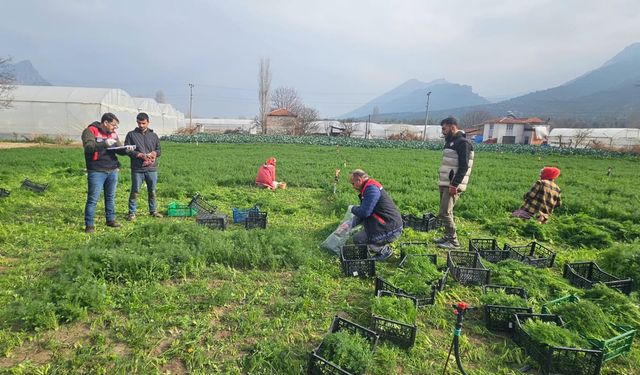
[543,197]
[267,175]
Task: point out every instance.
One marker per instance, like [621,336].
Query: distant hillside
[25,74]
[411,97]
[607,94]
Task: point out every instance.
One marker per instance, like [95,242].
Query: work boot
[449,245]
[440,240]
[113,224]
[155,214]
[131,216]
[90,229]
[384,253]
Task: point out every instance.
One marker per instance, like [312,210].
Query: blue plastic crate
[240,215]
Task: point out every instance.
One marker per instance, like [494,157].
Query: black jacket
[384,218]
[96,155]
[145,143]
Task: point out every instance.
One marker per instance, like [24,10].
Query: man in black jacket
[457,162]
[101,144]
[144,164]
[378,214]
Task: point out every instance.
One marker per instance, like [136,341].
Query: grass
[168,295]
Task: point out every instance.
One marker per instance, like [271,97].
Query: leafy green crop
[395,308]
[350,352]
[500,298]
[623,261]
[552,334]
[422,267]
[585,317]
[618,307]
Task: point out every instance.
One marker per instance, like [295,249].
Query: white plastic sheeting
[616,137]
[380,131]
[221,125]
[66,111]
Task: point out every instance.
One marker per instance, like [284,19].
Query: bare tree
[7,79]
[287,98]
[264,90]
[160,98]
[349,127]
[474,118]
[581,137]
[375,114]
[307,120]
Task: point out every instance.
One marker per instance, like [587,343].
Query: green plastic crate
[611,348]
[175,209]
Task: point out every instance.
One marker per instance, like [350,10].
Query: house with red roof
[514,130]
[282,121]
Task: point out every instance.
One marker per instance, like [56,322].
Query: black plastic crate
[4,193]
[467,268]
[421,300]
[552,359]
[500,318]
[213,221]
[438,283]
[533,254]
[203,207]
[586,274]
[355,261]
[33,186]
[402,334]
[488,249]
[256,219]
[423,224]
[321,366]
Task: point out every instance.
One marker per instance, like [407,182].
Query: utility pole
[366,128]
[190,105]
[426,119]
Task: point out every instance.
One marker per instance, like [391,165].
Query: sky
[338,54]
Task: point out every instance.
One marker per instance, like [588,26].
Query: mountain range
[610,93]
[24,74]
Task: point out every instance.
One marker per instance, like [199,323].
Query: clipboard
[115,148]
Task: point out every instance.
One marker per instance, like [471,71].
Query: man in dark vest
[100,142]
[378,214]
[144,164]
[457,161]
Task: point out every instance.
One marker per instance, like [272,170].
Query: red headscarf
[549,173]
[271,161]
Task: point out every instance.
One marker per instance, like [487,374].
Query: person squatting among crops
[102,168]
[542,198]
[144,164]
[379,215]
[457,162]
[267,175]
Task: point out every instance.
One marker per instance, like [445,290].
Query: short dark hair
[109,117]
[142,116]
[449,121]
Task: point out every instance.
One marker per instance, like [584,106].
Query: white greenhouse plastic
[65,111]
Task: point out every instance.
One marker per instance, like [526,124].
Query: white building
[66,111]
[222,125]
[511,129]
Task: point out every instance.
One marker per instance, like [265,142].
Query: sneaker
[449,246]
[113,224]
[440,240]
[131,217]
[155,214]
[90,229]
[384,253]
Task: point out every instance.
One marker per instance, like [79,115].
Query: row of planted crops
[570,325]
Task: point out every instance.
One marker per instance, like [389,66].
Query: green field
[170,296]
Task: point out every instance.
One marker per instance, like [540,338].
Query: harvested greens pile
[351,352]
[417,276]
[501,298]
[552,334]
[395,308]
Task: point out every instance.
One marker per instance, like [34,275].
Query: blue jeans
[96,182]
[151,178]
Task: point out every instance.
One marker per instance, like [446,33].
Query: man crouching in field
[378,214]
[100,142]
[542,198]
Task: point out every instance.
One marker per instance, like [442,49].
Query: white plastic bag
[339,237]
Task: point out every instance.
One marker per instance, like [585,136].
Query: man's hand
[453,191]
[130,148]
[110,142]
[141,155]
